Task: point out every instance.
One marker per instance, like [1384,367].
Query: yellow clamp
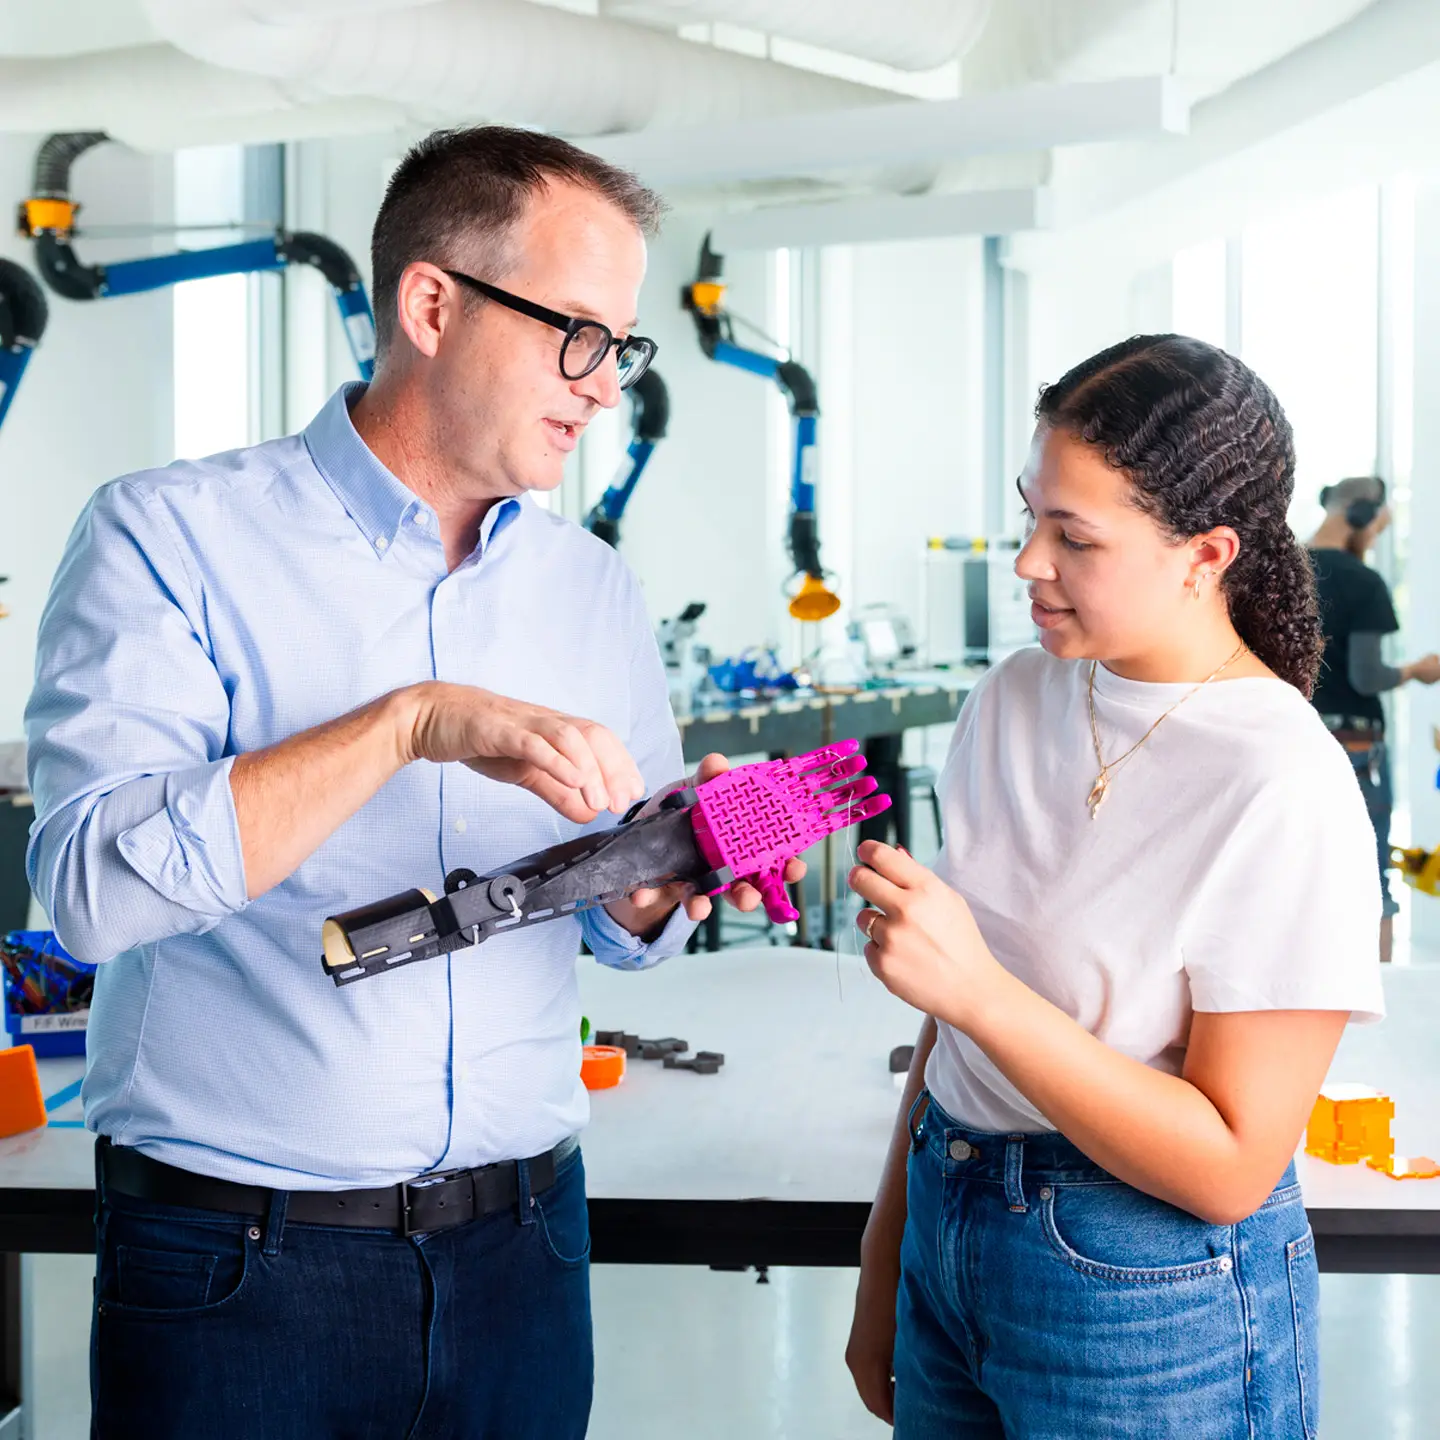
[1420,868]
[42,214]
[707,297]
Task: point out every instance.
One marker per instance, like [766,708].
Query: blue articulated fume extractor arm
[23,313]
[48,217]
[649,418]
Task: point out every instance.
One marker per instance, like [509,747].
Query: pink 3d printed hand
[751,821]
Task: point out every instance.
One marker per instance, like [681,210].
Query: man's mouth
[566,432]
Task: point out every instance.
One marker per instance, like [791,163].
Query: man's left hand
[645,912]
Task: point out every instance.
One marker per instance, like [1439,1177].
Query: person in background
[1356,614]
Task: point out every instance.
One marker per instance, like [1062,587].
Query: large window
[1309,326]
[212,317]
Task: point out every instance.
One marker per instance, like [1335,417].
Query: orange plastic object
[1407,1167]
[602,1066]
[1351,1123]
[814,601]
[22,1105]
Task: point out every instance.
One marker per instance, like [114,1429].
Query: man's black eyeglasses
[586,342]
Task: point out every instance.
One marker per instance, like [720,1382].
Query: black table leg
[882,757]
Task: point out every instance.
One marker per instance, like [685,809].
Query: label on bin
[41,1024]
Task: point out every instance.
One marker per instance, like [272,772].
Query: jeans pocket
[150,1270]
[563,1218]
[1114,1232]
[1304,1276]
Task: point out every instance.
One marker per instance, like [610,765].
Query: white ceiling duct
[909,133]
[883,217]
[155,98]
[70,27]
[908,34]
[502,59]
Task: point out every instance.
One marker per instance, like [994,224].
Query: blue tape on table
[64,1097]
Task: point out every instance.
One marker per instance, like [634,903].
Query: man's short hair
[1338,498]
[457,195]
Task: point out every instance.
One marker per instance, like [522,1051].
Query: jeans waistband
[995,1155]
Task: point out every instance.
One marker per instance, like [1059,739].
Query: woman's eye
[1070,544]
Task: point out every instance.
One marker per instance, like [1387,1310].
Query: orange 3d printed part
[22,1104]
[602,1066]
[1350,1123]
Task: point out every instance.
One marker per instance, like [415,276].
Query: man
[279,683]
[1356,613]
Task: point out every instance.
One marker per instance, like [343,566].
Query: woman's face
[1105,583]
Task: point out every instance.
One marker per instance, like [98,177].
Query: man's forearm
[292,796]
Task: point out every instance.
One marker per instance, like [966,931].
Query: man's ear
[425,303]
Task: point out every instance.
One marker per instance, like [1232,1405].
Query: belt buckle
[428,1182]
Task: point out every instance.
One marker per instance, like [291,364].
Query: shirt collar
[377,502]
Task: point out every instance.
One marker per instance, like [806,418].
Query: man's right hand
[1426,670]
[576,766]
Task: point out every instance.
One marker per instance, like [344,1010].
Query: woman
[1356,613]
[1152,915]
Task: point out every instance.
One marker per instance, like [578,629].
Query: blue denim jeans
[1043,1299]
[210,1325]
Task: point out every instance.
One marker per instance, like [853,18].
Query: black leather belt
[431,1202]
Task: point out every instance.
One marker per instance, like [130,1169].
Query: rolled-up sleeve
[655,748]
[135,836]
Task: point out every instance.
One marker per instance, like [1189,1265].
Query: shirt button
[381,543]
[460,825]
[422,517]
[960,1150]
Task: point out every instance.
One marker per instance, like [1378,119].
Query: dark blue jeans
[221,1327]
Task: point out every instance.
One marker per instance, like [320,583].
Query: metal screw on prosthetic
[744,825]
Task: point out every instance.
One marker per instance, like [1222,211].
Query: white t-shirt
[1231,867]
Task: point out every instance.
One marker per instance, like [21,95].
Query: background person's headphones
[1360,514]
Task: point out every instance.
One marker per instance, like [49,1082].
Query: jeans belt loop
[523,1198]
[275,1222]
[1014,1189]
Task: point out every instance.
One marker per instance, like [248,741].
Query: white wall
[702,524]
[95,402]
[1424,574]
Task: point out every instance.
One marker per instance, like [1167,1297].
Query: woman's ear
[1214,552]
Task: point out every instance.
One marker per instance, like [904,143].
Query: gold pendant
[1098,792]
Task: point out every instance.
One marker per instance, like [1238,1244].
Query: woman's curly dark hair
[1204,442]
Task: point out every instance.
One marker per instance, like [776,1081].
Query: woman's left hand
[924,944]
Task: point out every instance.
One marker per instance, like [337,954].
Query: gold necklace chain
[1101,788]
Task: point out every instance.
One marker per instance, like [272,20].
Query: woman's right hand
[870,1352]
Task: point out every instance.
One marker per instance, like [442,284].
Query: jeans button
[1045,1192]
[960,1150]
[1225,1264]
[254,1232]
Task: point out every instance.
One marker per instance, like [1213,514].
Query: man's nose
[602,384]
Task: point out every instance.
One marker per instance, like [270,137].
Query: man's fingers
[572,743]
[569,802]
[710,767]
[795,871]
[537,750]
[698,907]
[744,896]
[621,775]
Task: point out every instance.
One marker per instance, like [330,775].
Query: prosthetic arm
[705,300]
[745,824]
[649,417]
[48,217]
[22,322]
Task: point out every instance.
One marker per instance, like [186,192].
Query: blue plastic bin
[51,1035]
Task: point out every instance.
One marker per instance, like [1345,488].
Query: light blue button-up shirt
[218,606]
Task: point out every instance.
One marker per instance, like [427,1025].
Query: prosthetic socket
[745,824]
